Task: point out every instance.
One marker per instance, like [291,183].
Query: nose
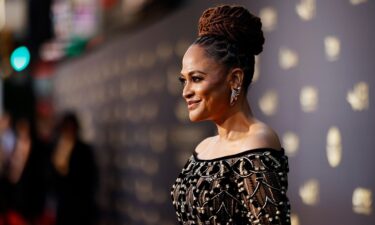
[187,92]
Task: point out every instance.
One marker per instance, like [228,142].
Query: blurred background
[94,130]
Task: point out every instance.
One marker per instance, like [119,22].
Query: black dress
[76,190]
[246,188]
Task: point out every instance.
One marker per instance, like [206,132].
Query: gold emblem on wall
[290,143]
[362,201]
[294,219]
[131,61]
[181,111]
[158,139]
[358,98]
[309,192]
[256,69]
[268,16]
[309,99]
[306,9]
[88,130]
[357,2]
[164,50]
[181,47]
[334,147]
[146,59]
[143,189]
[268,103]
[287,58]
[173,84]
[332,48]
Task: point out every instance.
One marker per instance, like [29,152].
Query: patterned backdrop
[313,85]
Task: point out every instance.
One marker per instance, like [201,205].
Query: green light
[20,58]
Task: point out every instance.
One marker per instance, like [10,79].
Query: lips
[192,104]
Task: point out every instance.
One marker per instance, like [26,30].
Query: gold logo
[181,111]
[88,131]
[268,16]
[309,192]
[256,69]
[181,47]
[143,189]
[332,48]
[291,143]
[164,50]
[173,84]
[147,59]
[309,98]
[287,58]
[362,201]
[294,219]
[131,61]
[358,98]
[334,148]
[357,2]
[158,139]
[268,103]
[306,9]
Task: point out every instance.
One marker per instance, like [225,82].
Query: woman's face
[206,88]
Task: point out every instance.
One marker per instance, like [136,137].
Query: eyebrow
[195,71]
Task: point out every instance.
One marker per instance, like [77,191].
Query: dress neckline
[246,152]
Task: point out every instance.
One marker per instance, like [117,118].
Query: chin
[196,117]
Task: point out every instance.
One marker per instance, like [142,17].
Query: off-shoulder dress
[246,188]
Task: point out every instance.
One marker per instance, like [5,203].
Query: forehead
[196,58]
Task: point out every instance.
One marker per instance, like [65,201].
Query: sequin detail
[249,188]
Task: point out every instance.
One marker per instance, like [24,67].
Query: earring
[234,95]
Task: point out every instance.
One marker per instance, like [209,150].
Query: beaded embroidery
[247,188]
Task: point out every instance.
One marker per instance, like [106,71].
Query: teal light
[20,58]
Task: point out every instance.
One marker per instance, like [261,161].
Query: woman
[75,175]
[25,182]
[240,175]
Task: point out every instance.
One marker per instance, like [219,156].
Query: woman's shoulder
[262,135]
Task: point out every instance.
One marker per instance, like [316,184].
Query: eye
[182,80]
[196,79]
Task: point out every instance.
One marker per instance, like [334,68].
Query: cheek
[215,96]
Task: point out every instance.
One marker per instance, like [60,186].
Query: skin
[207,86]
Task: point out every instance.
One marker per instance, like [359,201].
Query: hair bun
[236,24]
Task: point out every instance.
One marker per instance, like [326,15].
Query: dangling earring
[234,95]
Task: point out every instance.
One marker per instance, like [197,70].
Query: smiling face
[206,86]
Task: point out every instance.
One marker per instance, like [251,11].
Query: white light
[2,14]
[16,16]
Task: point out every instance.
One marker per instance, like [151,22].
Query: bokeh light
[20,58]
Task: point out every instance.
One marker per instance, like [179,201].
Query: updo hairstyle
[232,36]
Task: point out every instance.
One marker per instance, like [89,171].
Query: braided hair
[232,36]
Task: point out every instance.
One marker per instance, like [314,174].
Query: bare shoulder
[203,144]
[263,135]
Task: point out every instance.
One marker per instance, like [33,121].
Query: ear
[236,78]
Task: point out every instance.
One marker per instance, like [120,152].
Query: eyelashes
[182,80]
[194,79]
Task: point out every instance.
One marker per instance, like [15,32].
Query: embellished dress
[246,188]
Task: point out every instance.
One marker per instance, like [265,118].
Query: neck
[236,124]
